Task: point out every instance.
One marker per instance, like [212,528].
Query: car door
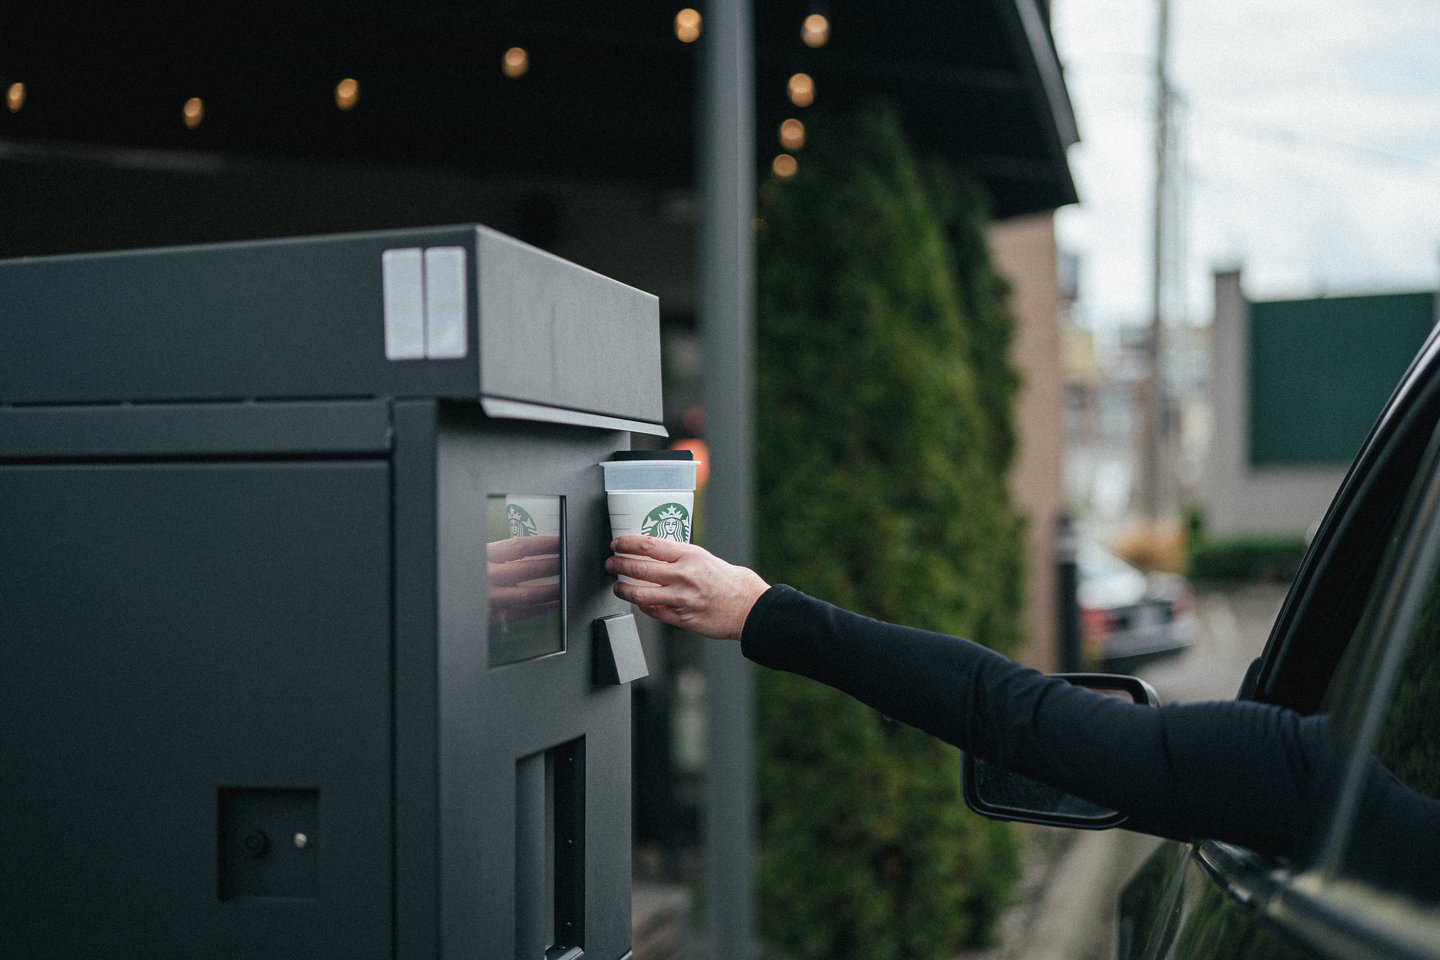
[1208,899]
[1373,888]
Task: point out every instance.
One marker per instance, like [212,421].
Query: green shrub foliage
[1245,559]
[883,437]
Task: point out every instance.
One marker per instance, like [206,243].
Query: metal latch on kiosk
[619,657]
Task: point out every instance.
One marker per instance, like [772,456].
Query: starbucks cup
[651,492]
[533,516]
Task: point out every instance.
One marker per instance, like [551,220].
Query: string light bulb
[687,25]
[784,166]
[801,89]
[792,134]
[516,63]
[15,97]
[815,31]
[347,93]
[193,112]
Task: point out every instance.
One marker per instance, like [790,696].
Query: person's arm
[1238,771]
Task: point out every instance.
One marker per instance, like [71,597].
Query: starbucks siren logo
[521,523]
[669,521]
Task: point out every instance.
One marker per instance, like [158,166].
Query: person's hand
[524,577]
[687,586]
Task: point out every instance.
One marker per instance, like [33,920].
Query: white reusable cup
[653,496]
[533,516]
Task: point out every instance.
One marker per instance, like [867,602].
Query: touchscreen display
[525,576]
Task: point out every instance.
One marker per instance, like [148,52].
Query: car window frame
[1319,906]
[1303,904]
[1362,709]
[1319,617]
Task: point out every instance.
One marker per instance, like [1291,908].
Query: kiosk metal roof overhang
[608,90]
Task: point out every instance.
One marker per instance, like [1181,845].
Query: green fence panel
[1321,370]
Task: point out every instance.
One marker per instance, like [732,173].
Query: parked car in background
[1357,640]
[1127,616]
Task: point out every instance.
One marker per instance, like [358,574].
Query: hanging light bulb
[687,25]
[15,97]
[193,112]
[792,134]
[815,31]
[516,63]
[347,93]
[784,166]
[801,89]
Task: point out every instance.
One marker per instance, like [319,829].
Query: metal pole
[726,281]
[1155,427]
[1068,577]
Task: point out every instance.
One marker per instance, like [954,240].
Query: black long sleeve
[1240,771]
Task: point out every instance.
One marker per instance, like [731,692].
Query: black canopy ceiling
[609,92]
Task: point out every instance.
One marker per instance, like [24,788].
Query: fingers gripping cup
[651,492]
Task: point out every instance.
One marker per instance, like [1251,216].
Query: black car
[1358,639]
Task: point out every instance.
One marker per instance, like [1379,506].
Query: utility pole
[1155,426]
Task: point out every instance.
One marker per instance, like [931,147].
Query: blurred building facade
[1025,252]
[1262,410]
[1106,379]
[1297,385]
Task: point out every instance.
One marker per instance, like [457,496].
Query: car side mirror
[995,792]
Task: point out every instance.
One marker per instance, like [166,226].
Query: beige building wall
[1025,253]
[1241,499]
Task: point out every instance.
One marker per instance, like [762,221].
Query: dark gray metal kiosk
[306,647]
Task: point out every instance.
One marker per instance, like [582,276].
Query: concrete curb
[1067,908]
[1076,916]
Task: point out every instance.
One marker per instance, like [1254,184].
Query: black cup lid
[652,455]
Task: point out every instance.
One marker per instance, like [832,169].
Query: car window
[1097,562]
[1386,714]
[1393,840]
[1410,735]
[1370,885]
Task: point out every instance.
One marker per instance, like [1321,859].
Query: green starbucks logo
[521,523]
[669,521]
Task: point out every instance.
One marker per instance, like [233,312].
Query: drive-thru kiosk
[306,644]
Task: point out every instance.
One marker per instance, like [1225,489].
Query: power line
[1128,65]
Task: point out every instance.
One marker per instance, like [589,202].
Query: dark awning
[609,91]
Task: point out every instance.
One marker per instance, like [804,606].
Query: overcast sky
[1309,147]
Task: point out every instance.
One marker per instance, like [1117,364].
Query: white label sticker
[403,278]
[445,327]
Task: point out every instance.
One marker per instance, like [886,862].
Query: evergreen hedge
[883,437]
[1255,559]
